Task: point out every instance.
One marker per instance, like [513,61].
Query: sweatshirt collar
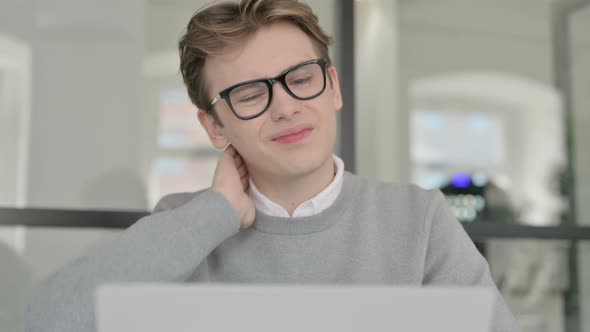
[315,223]
[313,206]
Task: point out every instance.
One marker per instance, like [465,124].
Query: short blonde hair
[227,24]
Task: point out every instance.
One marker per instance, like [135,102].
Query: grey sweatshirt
[373,234]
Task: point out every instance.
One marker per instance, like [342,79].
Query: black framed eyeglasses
[250,99]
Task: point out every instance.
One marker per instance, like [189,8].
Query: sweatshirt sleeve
[166,246]
[453,259]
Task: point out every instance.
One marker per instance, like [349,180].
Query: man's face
[269,52]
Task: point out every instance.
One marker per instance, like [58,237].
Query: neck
[290,192]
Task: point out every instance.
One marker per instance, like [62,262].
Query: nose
[283,105]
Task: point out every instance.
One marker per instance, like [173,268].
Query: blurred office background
[486,100]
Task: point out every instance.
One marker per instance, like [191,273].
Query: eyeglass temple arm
[216,99]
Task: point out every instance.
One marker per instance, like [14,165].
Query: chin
[302,165]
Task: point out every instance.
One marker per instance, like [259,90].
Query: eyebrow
[268,77]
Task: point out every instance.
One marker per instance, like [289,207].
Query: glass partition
[94,116]
[29,255]
[579,25]
[93,111]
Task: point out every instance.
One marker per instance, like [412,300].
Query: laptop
[232,308]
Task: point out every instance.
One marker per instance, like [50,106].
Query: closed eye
[301,80]
[250,98]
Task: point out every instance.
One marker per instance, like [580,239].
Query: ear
[335,86]
[213,129]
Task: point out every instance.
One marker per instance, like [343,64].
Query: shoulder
[176,200]
[406,203]
[397,193]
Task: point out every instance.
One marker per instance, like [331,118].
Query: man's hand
[231,179]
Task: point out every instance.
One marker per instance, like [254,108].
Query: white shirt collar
[311,207]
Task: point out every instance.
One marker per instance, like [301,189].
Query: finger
[226,156]
[245,182]
[244,174]
[242,171]
[238,161]
[237,156]
[231,151]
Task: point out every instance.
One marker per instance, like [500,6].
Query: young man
[281,208]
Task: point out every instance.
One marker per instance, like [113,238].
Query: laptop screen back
[231,308]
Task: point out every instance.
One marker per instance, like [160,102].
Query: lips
[293,138]
[291,132]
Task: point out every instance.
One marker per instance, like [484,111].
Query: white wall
[15,61]
[381,126]
[15,109]
[87,84]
